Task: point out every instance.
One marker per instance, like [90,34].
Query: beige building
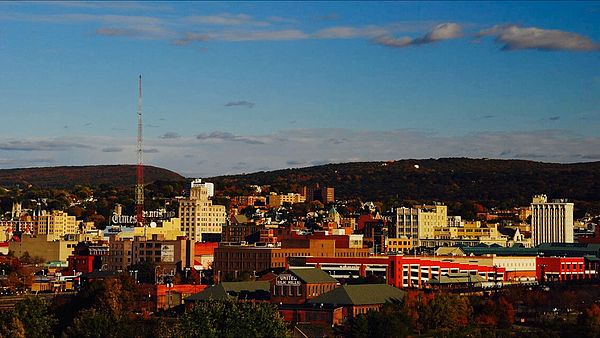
[419,222]
[551,222]
[44,247]
[55,225]
[470,230]
[168,254]
[199,216]
[276,200]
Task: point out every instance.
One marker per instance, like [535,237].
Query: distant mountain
[445,179]
[94,175]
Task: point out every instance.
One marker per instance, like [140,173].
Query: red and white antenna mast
[139,186]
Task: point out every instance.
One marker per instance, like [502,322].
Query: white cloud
[514,37]
[226,19]
[441,32]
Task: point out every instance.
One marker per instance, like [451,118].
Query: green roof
[569,249]
[313,275]
[235,290]
[363,294]
[457,278]
[499,251]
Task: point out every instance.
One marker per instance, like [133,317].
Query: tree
[589,321]
[97,324]
[35,316]
[232,319]
[390,321]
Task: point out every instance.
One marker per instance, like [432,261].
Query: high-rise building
[551,222]
[200,219]
[419,222]
[317,193]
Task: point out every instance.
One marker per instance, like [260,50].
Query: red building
[87,257]
[296,286]
[415,272]
[562,269]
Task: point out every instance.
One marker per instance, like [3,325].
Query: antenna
[139,186]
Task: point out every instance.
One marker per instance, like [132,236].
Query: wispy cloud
[189,38]
[298,147]
[259,35]
[41,145]
[170,135]
[226,136]
[239,103]
[441,32]
[351,32]
[514,37]
[226,19]
[112,150]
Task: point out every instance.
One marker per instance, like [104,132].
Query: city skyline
[243,87]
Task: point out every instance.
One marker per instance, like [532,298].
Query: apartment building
[551,222]
[55,225]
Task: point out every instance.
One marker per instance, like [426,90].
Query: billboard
[167,253]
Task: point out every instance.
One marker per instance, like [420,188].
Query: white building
[551,221]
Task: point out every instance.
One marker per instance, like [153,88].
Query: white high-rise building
[551,222]
[200,219]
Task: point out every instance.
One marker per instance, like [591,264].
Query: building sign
[287,279]
[148,215]
[167,253]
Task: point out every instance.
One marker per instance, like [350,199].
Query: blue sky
[241,87]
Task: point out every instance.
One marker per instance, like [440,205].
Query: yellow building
[276,200]
[399,245]
[55,225]
[44,247]
[199,217]
[169,229]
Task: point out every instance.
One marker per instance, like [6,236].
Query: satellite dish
[153,224]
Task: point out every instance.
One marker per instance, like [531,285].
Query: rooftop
[362,294]
[312,275]
[233,290]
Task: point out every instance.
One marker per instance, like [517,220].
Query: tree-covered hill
[445,179]
[96,175]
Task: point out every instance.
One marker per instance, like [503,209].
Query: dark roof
[313,275]
[100,274]
[233,290]
[362,294]
[499,251]
[510,232]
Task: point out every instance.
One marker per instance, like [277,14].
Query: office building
[200,219]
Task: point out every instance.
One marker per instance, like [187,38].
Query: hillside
[66,177]
[446,179]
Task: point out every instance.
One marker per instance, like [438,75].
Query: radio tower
[139,186]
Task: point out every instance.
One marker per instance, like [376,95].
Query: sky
[239,87]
